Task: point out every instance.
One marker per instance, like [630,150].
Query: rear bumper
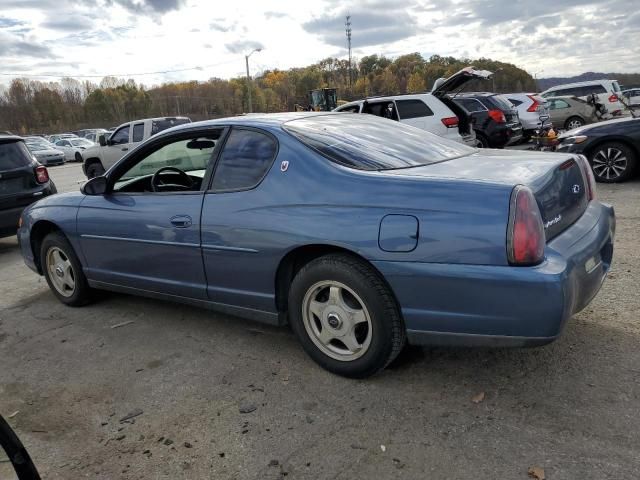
[483,305]
[9,216]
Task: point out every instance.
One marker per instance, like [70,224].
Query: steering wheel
[157,185]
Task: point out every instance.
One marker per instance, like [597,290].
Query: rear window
[14,155]
[164,123]
[515,102]
[413,109]
[501,102]
[616,87]
[371,143]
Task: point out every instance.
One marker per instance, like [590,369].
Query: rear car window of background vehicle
[515,102]
[501,102]
[163,124]
[246,157]
[14,155]
[373,144]
[471,105]
[138,132]
[413,109]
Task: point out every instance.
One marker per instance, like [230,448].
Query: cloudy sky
[125,37]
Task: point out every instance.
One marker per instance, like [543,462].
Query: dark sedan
[361,233]
[612,147]
[22,181]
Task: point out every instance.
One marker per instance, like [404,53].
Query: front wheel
[94,170]
[481,141]
[345,316]
[612,162]
[63,270]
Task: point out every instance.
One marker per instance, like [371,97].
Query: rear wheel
[481,141]
[345,316]
[573,122]
[94,169]
[63,270]
[612,162]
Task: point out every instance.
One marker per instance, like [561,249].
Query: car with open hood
[360,232]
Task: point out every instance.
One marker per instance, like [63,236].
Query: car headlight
[574,139]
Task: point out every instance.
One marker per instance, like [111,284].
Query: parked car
[94,136]
[632,96]
[495,120]
[45,153]
[360,232]
[101,157]
[612,147]
[533,112]
[59,136]
[73,148]
[607,91]
[570,112]
[22,181]
[433,112]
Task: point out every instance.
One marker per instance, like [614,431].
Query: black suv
[22,181]
[495,120]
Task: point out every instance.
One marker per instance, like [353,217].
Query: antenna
[347,25]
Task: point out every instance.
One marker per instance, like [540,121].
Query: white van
[607,91]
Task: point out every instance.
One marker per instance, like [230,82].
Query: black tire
[623,158]
[388,335]
[95,169]
[573,122]
[81,293]
[481,141]
[78,157]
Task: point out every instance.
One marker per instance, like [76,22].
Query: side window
[138,132]
[351,109]
[471,105]
[413,109]
[562,104]
[190,156]
[515,102]
[246,157]
[121,136]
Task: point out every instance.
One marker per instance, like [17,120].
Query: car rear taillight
[590,179]
[525,233]
[613,98]
[42,175]
[450,122]
[497,116]
[534,106]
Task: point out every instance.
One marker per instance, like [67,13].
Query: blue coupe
[362,233]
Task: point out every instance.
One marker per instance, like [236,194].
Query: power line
[33,75]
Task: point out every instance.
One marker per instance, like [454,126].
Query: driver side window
[184,163]
[121,136]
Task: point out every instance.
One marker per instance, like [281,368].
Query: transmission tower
[347,25]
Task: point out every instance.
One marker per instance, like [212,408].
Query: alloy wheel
[61,272]
[609,163]
[337,320]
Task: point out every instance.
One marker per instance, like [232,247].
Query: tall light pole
[246,59]
[535,79]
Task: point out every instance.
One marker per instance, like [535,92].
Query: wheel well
[91,160]
[40,230]
[293,261]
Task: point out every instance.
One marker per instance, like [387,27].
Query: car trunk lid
[557,180]
[442,86]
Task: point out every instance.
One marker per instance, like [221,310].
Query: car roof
[10,138]
[579,84]
[254,119]
[477,94]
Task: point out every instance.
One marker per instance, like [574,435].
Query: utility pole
[347,25]
[246,59]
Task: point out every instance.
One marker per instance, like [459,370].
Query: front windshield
[35,147]
[81,143]
[367,142]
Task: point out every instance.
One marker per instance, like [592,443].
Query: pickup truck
[98,159]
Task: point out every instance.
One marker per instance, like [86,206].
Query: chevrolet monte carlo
[362,233]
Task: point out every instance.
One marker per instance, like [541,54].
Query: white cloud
[82,37]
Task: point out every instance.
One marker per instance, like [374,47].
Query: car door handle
[181,221]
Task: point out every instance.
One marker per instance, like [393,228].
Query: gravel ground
[217,397]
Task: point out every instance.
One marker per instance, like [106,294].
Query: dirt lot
[572,408]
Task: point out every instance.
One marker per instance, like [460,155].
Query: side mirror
[95,186]
[102,141]
[12,452]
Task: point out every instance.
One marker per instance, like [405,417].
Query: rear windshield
[366,142]
[502,102]
[13,155]
[616,87]
[164,123]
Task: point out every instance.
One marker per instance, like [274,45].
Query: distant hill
[625,79]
